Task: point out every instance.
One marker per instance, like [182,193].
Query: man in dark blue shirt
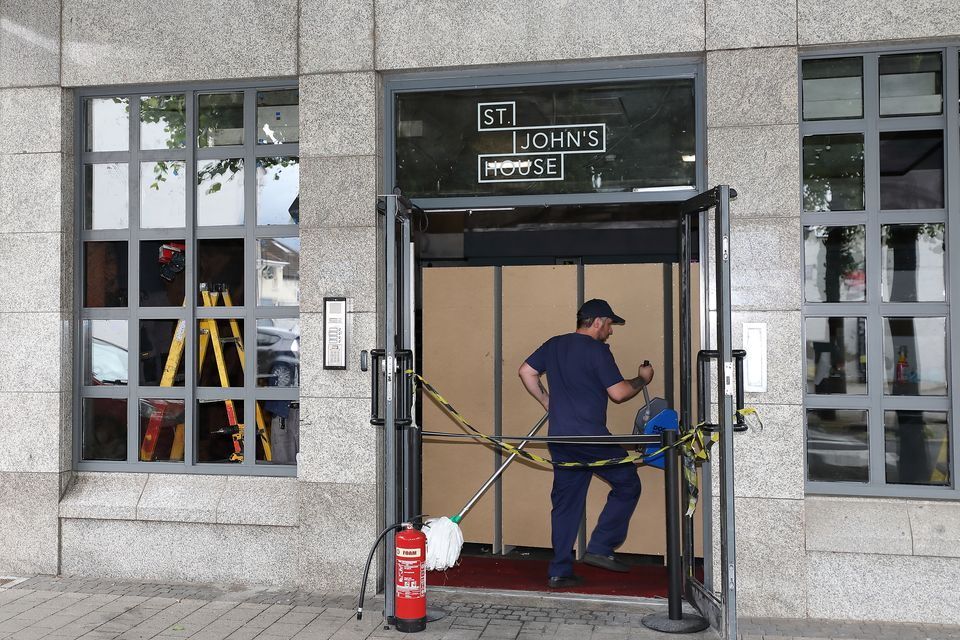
[583,375]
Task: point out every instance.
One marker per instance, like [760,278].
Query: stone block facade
[799,555]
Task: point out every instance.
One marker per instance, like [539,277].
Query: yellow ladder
[209,335]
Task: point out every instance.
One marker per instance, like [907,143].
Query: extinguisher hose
[366,570]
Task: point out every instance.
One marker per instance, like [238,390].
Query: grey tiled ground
[44,607]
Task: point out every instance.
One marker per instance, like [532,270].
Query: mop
[444,537]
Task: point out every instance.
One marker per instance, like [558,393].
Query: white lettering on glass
[538,153]
[532,167]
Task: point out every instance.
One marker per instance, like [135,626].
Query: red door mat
[485,572]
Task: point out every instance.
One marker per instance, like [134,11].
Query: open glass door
[715,599]
[392,385]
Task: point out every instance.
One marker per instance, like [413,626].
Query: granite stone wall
[797,555]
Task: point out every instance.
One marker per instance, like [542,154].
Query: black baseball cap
[598,308]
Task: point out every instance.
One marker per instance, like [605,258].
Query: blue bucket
[666,419]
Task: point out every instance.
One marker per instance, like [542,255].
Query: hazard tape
[694,446]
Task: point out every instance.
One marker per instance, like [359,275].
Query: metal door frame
[720,606]
[401,436]
[401,465]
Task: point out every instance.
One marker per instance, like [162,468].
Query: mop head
[444,541]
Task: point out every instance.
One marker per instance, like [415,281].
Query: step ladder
[209,336]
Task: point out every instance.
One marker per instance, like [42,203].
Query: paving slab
[65,608]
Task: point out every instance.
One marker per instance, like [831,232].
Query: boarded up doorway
[478,325]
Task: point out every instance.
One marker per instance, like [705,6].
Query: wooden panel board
[635,291]
[538,302]
[457,343]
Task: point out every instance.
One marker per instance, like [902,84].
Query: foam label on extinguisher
[408,553]
[411,577]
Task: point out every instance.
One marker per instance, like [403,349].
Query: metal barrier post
[674,621]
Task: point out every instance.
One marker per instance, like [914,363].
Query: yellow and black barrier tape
[694,446]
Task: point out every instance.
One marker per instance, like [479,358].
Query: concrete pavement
[52,608]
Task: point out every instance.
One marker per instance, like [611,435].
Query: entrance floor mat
[516,574]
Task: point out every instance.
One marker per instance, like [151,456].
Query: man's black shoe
[561,582]
[609,563]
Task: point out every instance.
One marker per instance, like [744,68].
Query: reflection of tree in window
[833,172]
[170,111]
[843,262]
[912,463]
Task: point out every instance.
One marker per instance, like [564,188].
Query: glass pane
[105,360]
[912,262]
[162,278]
[219,119]
[105,274]
[219,438]
[911,84]
[163,122]
[837,445]
[106,191]
[914,356]
[219,272]
[161,430]
[163,189]
[278,352]
[836,355]
[161,359]
[104,429]
[911,170]
[278,116]
[278,272]
[220,192]
[834,266]
[917,447]
[107,124]
[281,431]
[278,190]
[584,138]
[833,88]
[223,369]
[833,172]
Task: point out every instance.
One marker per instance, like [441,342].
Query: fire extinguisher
[411,580]
[411,577]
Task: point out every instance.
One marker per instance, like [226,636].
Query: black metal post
[674,621]
[672,501]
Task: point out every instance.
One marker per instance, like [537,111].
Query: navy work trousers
[569,497]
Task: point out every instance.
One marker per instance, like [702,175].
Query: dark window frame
[871,125]
[249,232]
[546,75]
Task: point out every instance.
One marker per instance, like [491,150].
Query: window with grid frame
[879,153]
[188,278]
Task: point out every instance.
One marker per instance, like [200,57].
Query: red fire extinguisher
[411,575]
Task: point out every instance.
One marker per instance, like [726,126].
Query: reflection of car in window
[278,356]
[109,363]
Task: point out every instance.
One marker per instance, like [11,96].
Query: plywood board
[458,349]
[538,302]
[635,291]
